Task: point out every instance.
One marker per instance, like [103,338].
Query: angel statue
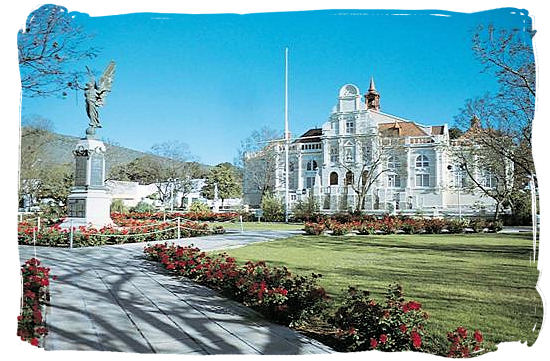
[95,93]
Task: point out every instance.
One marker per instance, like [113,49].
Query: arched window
[311,165]
[349,178]
[393,162]
[333,179]
[422,161]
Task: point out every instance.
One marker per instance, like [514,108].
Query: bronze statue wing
[106,81]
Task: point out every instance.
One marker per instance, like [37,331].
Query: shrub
[412,226]
[51,212]
[494,226]
[30,322]
[456,226]
[434,226]
[199,207]
[307,210]
[314,228]
[367,228]
[218,230]
[390,225]
[117,205]
[477,224]
[273,208]
[339,229]
[463,345]
[143,207]
[364,324]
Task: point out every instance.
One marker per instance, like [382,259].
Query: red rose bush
[140,231]
[30,323]
[273,291]
[364,324]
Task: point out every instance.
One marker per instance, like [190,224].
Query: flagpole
[287,136]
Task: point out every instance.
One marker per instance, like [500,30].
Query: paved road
[110,298]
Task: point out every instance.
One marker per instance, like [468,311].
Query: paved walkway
[110,298]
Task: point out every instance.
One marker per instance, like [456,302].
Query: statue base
[88,208]
[89,204]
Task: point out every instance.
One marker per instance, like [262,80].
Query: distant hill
[59,151]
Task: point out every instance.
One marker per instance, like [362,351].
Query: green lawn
[478,281]
[259,226]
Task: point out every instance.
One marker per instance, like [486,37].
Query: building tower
[372,98]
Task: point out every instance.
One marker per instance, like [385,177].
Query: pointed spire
[372,88]
[372,97]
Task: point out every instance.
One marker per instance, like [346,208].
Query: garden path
[110,298]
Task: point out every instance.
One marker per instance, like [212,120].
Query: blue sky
[210,80]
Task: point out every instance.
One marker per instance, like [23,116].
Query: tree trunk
[359,205]
[497,209]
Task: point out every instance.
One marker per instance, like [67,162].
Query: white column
[300,177]
[410,173]
[438,168]
[326,154]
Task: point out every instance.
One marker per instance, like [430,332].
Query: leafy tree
[56,181]
[199,207]
[143,207]
[35,136]
[117,205]
[50,49]
[224,176]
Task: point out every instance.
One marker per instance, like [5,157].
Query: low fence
[178,228]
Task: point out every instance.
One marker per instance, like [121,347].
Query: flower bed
[367,225]
[274,292]
[89,236]
[358,323]
[30,323]
[120,218]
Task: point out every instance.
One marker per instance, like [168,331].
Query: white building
[409,164]
[131,193]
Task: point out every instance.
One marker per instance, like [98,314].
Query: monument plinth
[89,203]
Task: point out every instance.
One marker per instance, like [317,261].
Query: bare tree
[487,171]
[378,158]
[257,155]
[499,125]
[50,47]
[178,167]
[505,118]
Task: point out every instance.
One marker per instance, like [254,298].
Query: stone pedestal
[89,204]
